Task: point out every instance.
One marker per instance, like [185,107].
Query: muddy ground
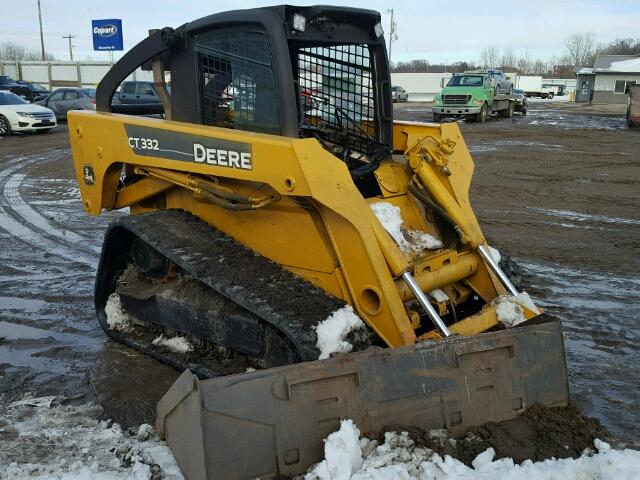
[538,434]
[558,189]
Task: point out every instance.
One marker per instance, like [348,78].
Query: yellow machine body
[307,215]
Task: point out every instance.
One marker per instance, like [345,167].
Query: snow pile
[632,66]
[174,344]
[409,241]
[509,308]
[495,254]
[342,452]
[349,457]
[439,295]
[65,442]
[332,332]
[420,240]
[117,318]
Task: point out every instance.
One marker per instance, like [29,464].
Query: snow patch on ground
[349,457]
[332,332]
[509,308]
[174,344]
[117,318]
[45,439]
[409,241]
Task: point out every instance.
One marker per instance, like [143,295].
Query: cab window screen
[236,83]
[337,93]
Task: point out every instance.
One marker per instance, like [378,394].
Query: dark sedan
[521,101]
[36,91]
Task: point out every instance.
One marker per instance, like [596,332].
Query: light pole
[392,32]
[70,45]
[41,34]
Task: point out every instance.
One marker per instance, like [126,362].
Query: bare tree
[508,58]
[538,67]
[14,51]
[490,57]
[622,46]
[581,48]
[523,63]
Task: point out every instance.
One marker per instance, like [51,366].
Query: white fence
[64,74]
[422,87]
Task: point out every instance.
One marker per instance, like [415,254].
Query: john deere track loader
[276,191]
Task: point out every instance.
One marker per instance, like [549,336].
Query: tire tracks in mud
[25,223]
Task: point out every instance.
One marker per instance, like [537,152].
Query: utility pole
[70,46]
[41,34]
[393,29]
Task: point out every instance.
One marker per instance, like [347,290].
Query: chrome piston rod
[424,302]
[484,252]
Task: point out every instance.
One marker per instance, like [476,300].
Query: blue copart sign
[107,34]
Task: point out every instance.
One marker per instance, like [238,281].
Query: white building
[606,82]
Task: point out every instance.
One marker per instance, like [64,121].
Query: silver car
[62,100]
[399,94]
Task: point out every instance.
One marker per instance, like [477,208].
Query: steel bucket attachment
[273,422]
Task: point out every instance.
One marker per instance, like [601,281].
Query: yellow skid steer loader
[274,201]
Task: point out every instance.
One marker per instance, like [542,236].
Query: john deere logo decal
[105,30]
[88,175]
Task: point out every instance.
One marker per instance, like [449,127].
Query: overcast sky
[436,30]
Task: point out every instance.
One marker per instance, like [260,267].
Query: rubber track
[289,303]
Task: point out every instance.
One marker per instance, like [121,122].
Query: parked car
[137,98]
[62,100]
[8,83]
[399,94]
[521,101]
[35,90]
[503,84]
[18,115]
[312,98]
[137,92]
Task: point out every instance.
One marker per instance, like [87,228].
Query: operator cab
[305,72]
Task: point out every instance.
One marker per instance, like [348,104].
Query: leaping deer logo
[89,176]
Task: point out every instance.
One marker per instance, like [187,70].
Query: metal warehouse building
[608,78]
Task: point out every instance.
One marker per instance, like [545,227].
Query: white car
[18,115]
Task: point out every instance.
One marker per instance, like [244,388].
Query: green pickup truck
[476,94]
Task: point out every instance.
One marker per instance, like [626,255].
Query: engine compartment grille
[455,99]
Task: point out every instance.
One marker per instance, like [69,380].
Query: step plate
[272,422]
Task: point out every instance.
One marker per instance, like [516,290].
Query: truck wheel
[437,117]
[481,116]
[524,111]
[550,95]
[509,111]
[5,127]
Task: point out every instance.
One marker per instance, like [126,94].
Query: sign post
[107,34]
